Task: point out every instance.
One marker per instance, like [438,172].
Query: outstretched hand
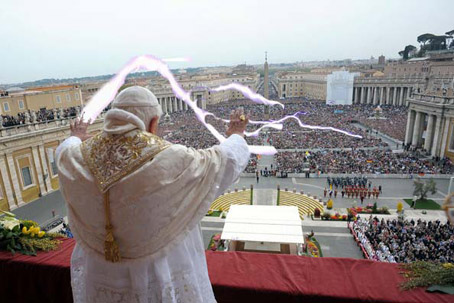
[79,128]
[238,122]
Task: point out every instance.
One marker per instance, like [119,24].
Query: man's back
[155,210]
[134,203]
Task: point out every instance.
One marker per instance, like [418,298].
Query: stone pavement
[334,237]
[394,190]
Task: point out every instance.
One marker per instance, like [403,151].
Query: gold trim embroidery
[112,157]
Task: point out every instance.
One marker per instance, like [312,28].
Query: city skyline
[83,40]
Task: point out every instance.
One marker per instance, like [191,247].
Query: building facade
[430,124]
[433,75]
[301,84]
[40,98]
[201,88]
[27,161]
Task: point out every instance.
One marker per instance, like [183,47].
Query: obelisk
[266,92]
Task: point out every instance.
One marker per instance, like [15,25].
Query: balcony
[235,276]
[442,100]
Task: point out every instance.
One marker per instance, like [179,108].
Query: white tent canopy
[260,223]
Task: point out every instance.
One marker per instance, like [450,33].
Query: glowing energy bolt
[150,63]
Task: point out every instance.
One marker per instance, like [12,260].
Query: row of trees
[428,42]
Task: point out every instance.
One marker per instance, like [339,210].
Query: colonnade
[427,131]
[382,95]
[172,104]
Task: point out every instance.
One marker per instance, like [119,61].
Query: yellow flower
[448,265]
[41,234]
[25,231]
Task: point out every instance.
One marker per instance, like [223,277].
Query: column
[39,171]
[185,106]
[169,105]
[363,95]
[15,179]
[369,93]
[444,137]
[401,99]
[429,133]
[175,104]
[394,96]
[388,95]
[410,126]
[46,174]
[408,95]
[374,95]
[435,150]
[417,129]
[382,95]
[8,188]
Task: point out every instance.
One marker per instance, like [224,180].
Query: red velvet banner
[236,277]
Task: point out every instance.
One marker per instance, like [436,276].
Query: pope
[135,202]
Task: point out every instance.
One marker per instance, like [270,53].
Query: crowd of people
[405,241]
[391,120]
[42,115]
[362,162]
[184,125]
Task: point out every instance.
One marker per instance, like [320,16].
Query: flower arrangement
[337,216]
[216,243]
[214,213]
[312,248]
[369,209]
[25,236]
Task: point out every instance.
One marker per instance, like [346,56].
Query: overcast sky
[60,39]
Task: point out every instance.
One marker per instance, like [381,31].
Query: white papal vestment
[155,213]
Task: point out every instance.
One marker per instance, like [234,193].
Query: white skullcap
[135,96]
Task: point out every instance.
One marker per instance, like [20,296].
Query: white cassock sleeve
[73,140]
[237,154]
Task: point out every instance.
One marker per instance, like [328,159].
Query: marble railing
[33,128]
[433,99]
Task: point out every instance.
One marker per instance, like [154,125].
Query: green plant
[420,273]
[422,188]
[9,240]
[326,215]
[29,223]
[374,208]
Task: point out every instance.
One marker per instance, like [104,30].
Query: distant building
[301,84]
[27,161]
[200,86]
[381,60]
[430,124]
[339,88]
[19,101]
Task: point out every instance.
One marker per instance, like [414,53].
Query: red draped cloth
[44,278]
[235,276]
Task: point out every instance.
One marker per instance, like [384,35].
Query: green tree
[450,34]
[405,53]
[424,38]
[422,188]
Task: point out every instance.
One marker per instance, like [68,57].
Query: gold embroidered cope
[112,157]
